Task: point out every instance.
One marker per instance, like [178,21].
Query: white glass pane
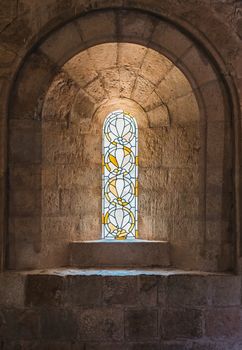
[120,170]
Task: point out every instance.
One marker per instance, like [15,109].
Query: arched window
[120,176]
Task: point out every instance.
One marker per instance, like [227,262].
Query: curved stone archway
[214,113]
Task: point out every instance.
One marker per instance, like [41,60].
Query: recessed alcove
[181,153]
[70,66]
[146,84]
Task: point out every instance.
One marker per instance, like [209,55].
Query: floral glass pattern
[120,176]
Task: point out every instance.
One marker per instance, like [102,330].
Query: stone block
[98,28]
[101,324]
[25,202]
[183,180]
[184,109]
[142,90]
[110,78]
[26,177]
[56,345]
[181,146]
[60,148]
[216,132]
[12,289]
[214,205]
[96,91]
[185,291]
[50,202]
[44,290]
[210,345]
[141,324]
[59,100]
[80,201]
[214,229]
[212,93]
[104,346]
[63,44]
[162,291]
[14,33]
[225,290]
[189,205]
[24,229]
[154,227]
[19,324]
[182,323]
[152,102]
[58,324]
[150,148]
[223,322]
[82,111]
[147,290]
[59,228]
[92,149]
[130,58]
[173,86]
[129,253]
[198,65]
[144,346]
[180,345]
[83,290]
[81,68]
[104,57]
[186,230]
[168,37]
[49,177]
[156,201]
[54,252]
[29,92]
[159,117]
[89,228]
[7,13]
[76,176]
[155,179]
[127,80]
[214,178]
[135,25]
[25,255]
[120,290]
[155,67]
[25,146]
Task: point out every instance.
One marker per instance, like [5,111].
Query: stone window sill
[112,253]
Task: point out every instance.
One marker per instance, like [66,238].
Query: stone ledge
[138,253]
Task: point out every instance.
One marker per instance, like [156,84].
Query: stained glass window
[120,176]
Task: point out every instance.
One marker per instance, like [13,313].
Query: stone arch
[45,61]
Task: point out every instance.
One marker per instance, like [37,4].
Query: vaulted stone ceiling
[123,70]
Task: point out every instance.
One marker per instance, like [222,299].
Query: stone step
[122,309]
[103,253]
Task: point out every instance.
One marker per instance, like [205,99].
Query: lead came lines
[120,171]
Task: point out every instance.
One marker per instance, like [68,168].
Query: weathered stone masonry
[64,65]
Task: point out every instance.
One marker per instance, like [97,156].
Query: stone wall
[71,146]
[127,311]
[210,60]
[188,141]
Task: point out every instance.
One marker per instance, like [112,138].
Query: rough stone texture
[58,324]
[101,324]
[182,323]
[12,290]
[180,136]
[74,309]
[71,147]
[195,149]
[141,324]
[120,254]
